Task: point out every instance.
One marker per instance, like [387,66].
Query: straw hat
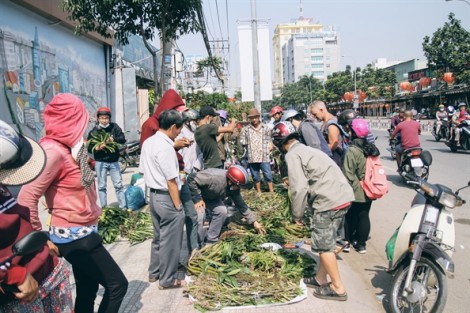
[21,158]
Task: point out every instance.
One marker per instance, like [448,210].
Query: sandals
[312,282]
[326,293]
[177,284]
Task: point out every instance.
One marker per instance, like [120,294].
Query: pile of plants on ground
[238,271]
[115,223]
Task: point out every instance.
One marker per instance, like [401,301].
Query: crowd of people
[193,179]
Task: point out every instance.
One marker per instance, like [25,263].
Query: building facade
[316,54]
[313,51]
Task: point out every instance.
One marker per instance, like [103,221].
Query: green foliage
[145,18]
[377,83]
[208,64]
[152,101]
[449,49]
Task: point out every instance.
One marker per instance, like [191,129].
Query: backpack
[323,144]
[375,183]
[340,151]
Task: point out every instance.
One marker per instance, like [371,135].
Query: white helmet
[21,158]
[451,109]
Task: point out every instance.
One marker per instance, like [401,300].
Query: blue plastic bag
[135,197]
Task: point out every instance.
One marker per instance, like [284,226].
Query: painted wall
[39,59]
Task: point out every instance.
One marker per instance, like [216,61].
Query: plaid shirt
[257,141]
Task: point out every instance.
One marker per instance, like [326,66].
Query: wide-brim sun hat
[25,164]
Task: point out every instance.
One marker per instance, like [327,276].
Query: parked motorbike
[29,244]
[420,250]
[443,130]
[415,163]
[464,129]
[129,155]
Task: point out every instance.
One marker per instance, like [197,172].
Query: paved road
[450,169]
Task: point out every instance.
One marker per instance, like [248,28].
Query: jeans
[265,167]
[102,169]
[93,266]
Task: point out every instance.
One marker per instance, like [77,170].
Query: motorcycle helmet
[360,127]
[237,175]
[451,109]
[103,111]
[289,114]
[462,104]
[223,114]
[190,115]
[282,132]
[274,110]
[346,117]
[21,158]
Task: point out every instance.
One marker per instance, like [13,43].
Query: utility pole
[254,38]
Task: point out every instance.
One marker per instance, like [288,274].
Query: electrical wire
[218,19]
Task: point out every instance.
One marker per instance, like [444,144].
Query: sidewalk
[145,297]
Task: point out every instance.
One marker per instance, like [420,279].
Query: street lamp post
[466,1]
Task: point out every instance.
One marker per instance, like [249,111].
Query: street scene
[234,156]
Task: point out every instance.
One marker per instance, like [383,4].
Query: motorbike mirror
[458,190]
[426,157]
[30,243]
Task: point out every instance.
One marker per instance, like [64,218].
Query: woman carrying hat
[42,279]
[68,185]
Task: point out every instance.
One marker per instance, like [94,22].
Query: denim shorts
[324,229]
[265,167]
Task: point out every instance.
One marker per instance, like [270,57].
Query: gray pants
[219,213]
[167,238]
[191,219]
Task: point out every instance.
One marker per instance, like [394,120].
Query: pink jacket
[65,121]
[68,201]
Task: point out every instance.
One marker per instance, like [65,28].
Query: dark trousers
[93,266]
[357,225]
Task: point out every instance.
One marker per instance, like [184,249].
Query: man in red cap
[256,138]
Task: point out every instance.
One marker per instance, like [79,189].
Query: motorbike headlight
[447,199]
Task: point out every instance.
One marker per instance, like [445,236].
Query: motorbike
[420,250]
[415,163]
[129,155]
[443,130]
[464,129]
[29,244]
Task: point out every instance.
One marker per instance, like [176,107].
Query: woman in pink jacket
[68,185]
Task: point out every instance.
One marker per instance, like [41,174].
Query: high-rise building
[304,48]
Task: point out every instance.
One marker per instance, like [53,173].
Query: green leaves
[101,137]
[449,49]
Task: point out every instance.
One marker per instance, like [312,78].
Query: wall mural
[38,60]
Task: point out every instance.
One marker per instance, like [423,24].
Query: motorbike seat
[409,150]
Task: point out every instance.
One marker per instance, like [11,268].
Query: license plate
[416,162]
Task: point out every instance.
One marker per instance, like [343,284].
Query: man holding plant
[103,142]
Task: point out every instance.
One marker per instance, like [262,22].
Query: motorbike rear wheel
[429,284]
[122,164]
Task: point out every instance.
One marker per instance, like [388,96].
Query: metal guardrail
[426,125]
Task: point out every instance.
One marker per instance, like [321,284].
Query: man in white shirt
[159,164]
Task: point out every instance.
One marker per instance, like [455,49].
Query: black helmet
[190,115]
[346,117]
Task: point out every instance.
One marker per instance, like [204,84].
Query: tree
[120,19]
[449,49]
[207,64]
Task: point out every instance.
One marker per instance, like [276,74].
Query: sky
[368,29]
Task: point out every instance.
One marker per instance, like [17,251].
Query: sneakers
[360,248]
[347,248]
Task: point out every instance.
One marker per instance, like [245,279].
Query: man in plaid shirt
[256,138]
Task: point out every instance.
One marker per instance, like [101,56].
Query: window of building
[317,50]
[316,59]
[317,66]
